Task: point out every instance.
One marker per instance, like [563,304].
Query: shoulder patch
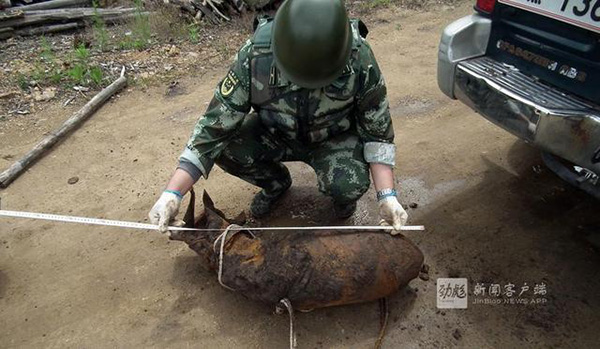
[229,84]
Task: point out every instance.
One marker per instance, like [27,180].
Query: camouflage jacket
[356,101]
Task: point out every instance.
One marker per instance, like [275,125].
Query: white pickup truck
[532,67]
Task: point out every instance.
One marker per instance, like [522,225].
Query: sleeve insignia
[229,84]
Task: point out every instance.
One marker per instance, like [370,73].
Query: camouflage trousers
[255,155]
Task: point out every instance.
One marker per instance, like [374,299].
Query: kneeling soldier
[317,96]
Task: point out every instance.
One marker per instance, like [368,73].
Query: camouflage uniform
[338,130]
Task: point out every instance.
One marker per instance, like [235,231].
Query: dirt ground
[493,214]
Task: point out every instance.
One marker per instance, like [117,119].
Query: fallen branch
[74,121]
[205,11]
[216,10]
[53,28]
[6,15]
[52,4]
[6,33]
[59,15]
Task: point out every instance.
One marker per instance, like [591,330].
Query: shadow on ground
[519,224]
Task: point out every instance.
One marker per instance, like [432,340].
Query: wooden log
[36,17]
[73,122]
[46,29]
[5,4]
[6,15]
[205,11]
[53,4]
[215,9]
[6,33]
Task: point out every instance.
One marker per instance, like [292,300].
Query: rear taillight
[486,6]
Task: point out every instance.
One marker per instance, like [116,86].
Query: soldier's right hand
[165,209]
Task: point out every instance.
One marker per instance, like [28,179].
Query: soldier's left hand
[392,213]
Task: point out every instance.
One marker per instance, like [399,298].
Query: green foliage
[124,45]
[77,74]
[96,75]
[22,81]
[39,74]
[99,29]
[140,32]
[81,72]
[47,54]
[56,76]
[48,70]
[194,33]
[82,53]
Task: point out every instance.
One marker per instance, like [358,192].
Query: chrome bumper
[553,121]
[464,38]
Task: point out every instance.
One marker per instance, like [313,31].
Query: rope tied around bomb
[285,303]
[223,239]
[279,310]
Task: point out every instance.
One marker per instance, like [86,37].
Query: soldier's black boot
[344,210]
[264,201]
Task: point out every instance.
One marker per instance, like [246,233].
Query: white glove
[392,213]
[165,210]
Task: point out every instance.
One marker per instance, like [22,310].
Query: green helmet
[312,41]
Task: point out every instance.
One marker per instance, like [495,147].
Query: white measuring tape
[135,225]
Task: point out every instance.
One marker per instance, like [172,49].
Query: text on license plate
[582,13]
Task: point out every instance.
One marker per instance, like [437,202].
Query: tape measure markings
[146,226]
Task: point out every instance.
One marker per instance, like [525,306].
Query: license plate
[582,13]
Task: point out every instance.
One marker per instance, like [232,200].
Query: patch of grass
[96,75]
[50,71]
[47,69]
[22,81]
[99,29]
[82,72]
[39,73]
[194,33]
[82,54]
[77,74]
[56,76]
[47,53]
[141,33]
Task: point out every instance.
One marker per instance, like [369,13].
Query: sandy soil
[490,218]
